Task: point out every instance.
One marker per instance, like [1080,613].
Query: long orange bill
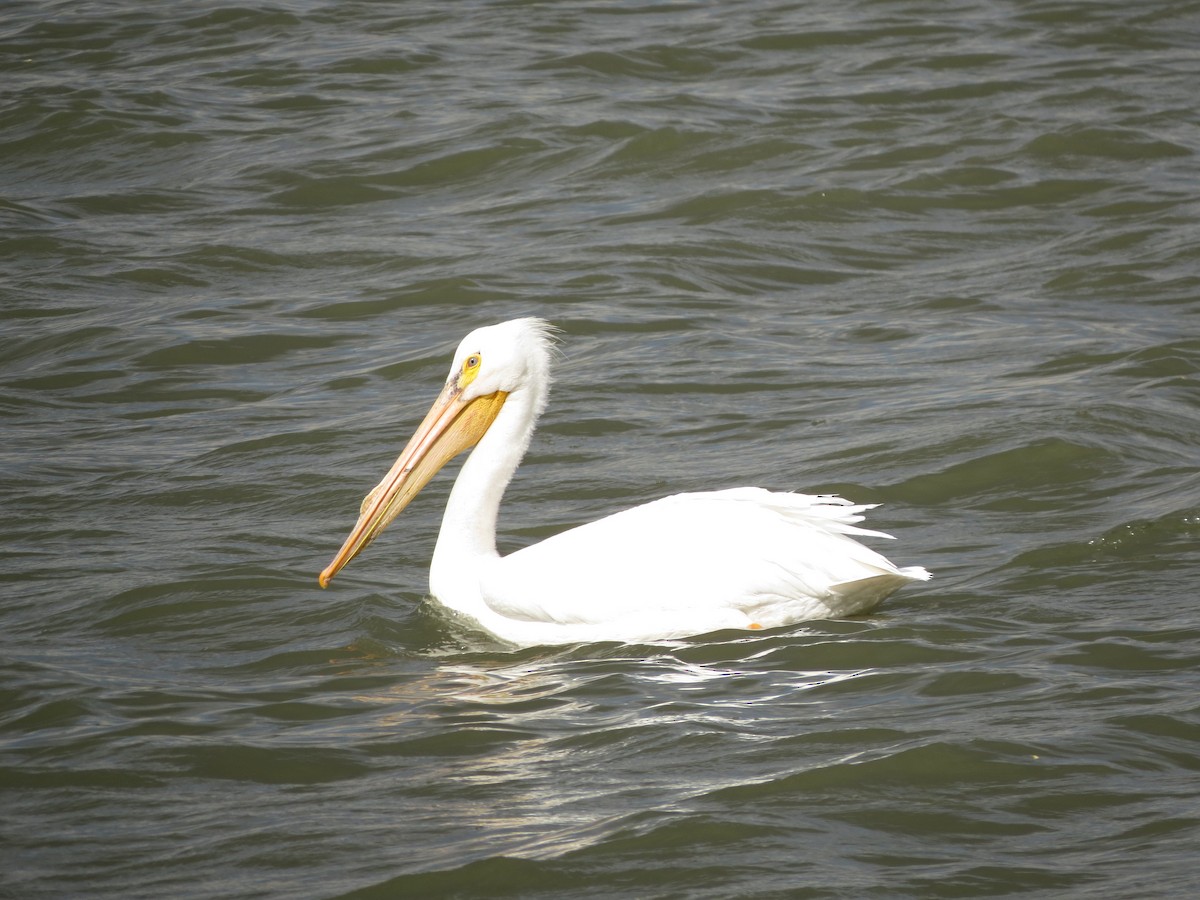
[451,426]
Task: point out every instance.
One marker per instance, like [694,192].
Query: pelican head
[491,365]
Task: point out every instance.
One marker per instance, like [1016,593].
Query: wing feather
[733,557]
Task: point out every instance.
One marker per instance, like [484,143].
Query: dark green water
[945,258]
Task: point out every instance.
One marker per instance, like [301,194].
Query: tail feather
[864,594]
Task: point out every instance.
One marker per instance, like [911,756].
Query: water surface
[944,261]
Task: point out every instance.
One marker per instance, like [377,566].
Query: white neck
[467,540]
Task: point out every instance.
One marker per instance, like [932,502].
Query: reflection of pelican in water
[683,565]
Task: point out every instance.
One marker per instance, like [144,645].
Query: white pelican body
[743,558]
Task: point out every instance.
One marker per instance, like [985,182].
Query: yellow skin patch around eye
[470,368]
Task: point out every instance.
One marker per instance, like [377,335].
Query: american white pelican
[689,564]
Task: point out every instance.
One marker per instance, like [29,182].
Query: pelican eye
[470,368]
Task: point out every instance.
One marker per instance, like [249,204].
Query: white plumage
[744,558]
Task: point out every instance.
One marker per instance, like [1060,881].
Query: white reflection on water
[553,755]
